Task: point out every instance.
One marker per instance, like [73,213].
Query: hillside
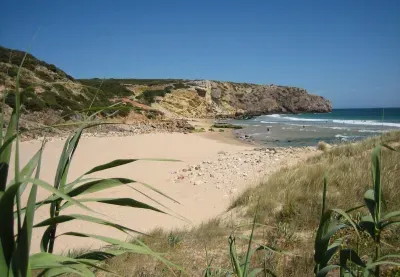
[46,87]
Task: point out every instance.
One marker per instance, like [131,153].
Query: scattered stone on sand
[231,172]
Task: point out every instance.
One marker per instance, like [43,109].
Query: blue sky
[347,51]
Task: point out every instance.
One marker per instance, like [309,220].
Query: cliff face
[226,99]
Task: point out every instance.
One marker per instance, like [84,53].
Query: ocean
[340,125]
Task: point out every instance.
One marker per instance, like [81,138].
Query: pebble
[234,190]
[229,171]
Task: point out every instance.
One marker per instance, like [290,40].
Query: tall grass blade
[129,247]
[368,223]
[348,219]
[324,271]
[324,197]
[6,143]
[376,176]
[3,105]
[29,168]
[98,185]
[21,254]
[350,255]
[162,205]
[6,154]
[74,269]
[66,218]
[247,260]
[158,191]
[109,165]
[126,202]
[388,223]
[234,257]
[51,189]
[370,201]
[7,225]
[255,271]
[390,215]
[66,158]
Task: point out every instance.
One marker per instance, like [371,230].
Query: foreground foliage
[17,218]
[375,223]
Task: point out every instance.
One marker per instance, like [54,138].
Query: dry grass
[290,206]
[323,146]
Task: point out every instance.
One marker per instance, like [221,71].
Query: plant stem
[358,251]
[377,251]
[54,229]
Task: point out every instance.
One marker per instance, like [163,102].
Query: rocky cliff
[203,98]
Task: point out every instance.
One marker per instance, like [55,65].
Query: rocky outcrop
[205,98]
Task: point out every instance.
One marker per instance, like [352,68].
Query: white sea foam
[274,115]
[268,122]
[341,136]
[367,122]
[280,118]
[339,128]
[346,138]
[295,118]
[299,125]
[372,131]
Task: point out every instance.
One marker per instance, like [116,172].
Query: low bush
[226,125]
[181,86]
[148,96]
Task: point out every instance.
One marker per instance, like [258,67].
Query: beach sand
[213,170]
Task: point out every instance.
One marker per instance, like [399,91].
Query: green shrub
[226,125]
[44,76]
[148,96]
[180,86]
[12,72]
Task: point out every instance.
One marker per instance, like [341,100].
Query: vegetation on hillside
[121,82]
[149,96]
[15,58]
[44,86]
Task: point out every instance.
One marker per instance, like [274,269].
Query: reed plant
[330,241]
[17,219]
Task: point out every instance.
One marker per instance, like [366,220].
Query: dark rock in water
[289,141]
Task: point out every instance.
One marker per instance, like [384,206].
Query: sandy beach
[213,168]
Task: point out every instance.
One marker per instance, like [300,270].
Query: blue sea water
[307,129]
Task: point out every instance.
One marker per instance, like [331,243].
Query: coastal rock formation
[204,98]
